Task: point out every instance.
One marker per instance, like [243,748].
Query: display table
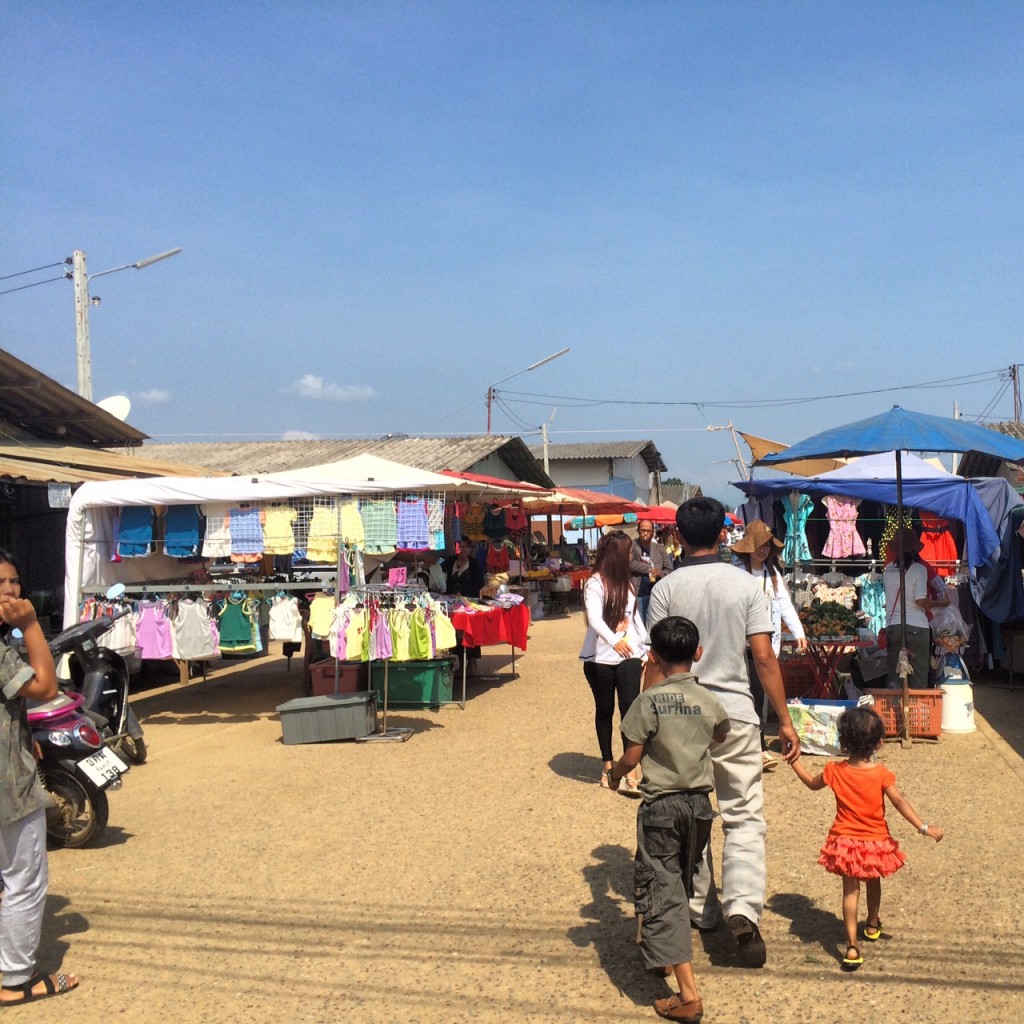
[824,655]
[490,627]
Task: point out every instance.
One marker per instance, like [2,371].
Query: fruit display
[829,618]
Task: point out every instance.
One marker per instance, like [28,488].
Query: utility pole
[544,440]
[84,361]
[1015,377]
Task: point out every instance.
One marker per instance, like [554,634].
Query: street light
[82,302]
[490,390]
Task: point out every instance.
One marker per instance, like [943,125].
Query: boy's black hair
[860,731]
[700,521]
[675,640]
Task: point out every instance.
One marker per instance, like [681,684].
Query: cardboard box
[414,684]
[321,719]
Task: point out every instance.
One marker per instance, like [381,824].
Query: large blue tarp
[945,495]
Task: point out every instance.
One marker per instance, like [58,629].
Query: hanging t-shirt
[473,522]
[435,523]
[352,525]
[285,619]
[321,614]
[135,533]
[412,530]
[323,535]
[194,634]
[246,525]
[237,625]
[379,524]
[217,540]
[181,531]
[494,522]
[153,630]
[278,529]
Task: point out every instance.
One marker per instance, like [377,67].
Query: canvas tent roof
[90,514]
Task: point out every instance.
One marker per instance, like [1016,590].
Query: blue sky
[384,208]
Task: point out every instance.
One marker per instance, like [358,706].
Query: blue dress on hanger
[795,548]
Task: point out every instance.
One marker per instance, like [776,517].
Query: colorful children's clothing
[859,844]
[135,533]
[843,539]
[181,531]
[217,540]
[278,530]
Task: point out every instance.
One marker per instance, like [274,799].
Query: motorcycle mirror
[115,591]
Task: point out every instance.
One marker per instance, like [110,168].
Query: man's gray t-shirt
[727,605]
[675,721]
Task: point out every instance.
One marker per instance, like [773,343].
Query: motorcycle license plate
[103,767]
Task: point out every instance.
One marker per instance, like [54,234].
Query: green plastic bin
[414,684]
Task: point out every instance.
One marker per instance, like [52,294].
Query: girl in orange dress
[859,847]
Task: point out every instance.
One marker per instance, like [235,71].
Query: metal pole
[83,358]
[544,437]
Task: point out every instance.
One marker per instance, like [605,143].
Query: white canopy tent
[90,523]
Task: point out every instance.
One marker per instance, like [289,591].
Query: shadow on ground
[610,928]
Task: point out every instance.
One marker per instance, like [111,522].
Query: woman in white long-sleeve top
[615,645]
[758,551]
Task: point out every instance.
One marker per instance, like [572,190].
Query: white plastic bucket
[958,707]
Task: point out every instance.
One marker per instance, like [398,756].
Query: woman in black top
[463,574]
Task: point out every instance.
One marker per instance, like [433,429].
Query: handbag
[883,637]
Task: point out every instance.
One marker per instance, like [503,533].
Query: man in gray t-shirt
[731,613]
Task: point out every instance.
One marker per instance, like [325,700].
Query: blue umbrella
[901,430]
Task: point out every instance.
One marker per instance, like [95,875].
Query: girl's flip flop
[851,963]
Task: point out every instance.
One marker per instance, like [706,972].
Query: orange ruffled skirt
[862,858]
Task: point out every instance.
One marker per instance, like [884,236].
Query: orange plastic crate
[924,709]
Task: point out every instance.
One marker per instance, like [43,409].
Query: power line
[577,401]
[22,287]
[34,270]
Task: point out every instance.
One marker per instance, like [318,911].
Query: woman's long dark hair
[612,563]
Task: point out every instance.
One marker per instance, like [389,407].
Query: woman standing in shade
[615,646]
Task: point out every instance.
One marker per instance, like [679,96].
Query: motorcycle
[75,768]
[100,676]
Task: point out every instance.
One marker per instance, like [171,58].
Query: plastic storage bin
[924,709]
[414,684]
[353,677]
[320,719]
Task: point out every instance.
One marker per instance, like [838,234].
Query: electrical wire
[34,270]
[975,378]
[22,287]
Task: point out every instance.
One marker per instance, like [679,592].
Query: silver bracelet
[924,829]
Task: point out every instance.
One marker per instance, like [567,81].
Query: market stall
[341,516]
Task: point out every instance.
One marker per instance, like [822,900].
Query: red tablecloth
[493,626]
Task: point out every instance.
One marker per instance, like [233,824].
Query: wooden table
[824,654]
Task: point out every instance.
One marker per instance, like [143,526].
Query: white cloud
[312,386]
[154,396]
[299,435]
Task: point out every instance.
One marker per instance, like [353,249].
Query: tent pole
[905,696]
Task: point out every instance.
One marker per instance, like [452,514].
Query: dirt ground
[478,872]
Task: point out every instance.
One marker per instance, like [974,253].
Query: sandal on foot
[872,932]
[673,1008]
[629,787]
[851,963]
[605,784]
[55,985]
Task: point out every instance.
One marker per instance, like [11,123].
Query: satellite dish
[117,405]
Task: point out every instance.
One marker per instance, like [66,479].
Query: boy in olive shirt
[669,730]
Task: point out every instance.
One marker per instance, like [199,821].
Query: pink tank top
[153,630]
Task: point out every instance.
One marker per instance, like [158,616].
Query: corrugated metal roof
[434,454]
[975,464]
[678,493]
[43,464]
[604,450]
[37,408]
